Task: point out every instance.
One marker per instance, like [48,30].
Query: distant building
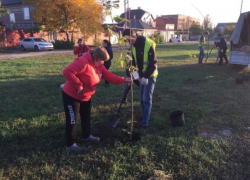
[141,21]
[222,26]
[20,16]
[180,22]
[165,26]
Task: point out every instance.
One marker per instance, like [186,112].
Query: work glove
[144,81]
[221,50]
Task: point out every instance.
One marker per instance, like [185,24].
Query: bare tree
[207,23]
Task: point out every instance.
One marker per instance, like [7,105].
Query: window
[12,18]
[39,40]
[27,40]
[52,36]
[26,13]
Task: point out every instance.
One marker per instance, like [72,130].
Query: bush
[157,38]
[60,44]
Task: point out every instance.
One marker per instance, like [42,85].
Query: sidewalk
[15,54]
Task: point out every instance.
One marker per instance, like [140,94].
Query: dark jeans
[146,96]
[201,55]
[107,65]
[73,108]
[223,55]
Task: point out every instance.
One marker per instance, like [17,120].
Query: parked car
[175,39]
[35,43]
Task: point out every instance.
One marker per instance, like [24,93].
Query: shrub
[157,38]
[60,44]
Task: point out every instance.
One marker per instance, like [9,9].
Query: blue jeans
[201,56]
[146,94]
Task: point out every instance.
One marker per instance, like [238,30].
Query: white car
[35,43]
[175,39]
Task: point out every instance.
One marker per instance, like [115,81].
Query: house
[20,16]
[16,25]
[166,27]
[221,26]
[181,22]
[141,21]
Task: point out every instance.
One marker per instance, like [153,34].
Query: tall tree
[229,30]
[207,23]
[195,29]
[68,15]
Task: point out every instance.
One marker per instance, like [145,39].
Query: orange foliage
[68,15]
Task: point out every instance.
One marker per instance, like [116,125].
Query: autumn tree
[69,15]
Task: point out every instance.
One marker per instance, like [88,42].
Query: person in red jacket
[81,48]
[82,77]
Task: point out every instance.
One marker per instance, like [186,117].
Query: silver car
[175,39]
[35,43]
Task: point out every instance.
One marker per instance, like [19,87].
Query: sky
[220,11]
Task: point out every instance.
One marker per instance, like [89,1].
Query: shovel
[209,54]
[115,117]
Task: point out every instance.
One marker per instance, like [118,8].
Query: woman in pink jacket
[83,75]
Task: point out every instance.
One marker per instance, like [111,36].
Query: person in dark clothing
[144,58]
[223,49]
[107,64]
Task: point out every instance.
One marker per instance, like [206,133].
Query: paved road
[16,55]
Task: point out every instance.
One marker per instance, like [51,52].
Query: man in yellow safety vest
[144,58]
[201,45]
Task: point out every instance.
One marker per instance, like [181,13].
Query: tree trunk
[67,35]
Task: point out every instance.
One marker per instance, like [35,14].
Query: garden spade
[115,117]
[209,54]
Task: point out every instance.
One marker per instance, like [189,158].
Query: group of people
[86,72]
[221,46]
[91,66]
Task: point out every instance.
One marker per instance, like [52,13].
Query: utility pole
[241,6]
[127,14]
[188,28]
[125,11]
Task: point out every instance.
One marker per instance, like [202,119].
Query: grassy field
[32,124]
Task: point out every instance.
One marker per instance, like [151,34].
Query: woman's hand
[80,91]
[129,80]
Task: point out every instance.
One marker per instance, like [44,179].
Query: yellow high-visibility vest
[148,44]
[202,39]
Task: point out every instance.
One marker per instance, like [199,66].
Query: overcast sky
[219,10]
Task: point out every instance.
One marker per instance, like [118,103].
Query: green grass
[32,124]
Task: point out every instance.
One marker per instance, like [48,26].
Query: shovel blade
[113,121]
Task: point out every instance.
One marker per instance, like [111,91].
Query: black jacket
[152,61]
[110,52]
[223,43]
